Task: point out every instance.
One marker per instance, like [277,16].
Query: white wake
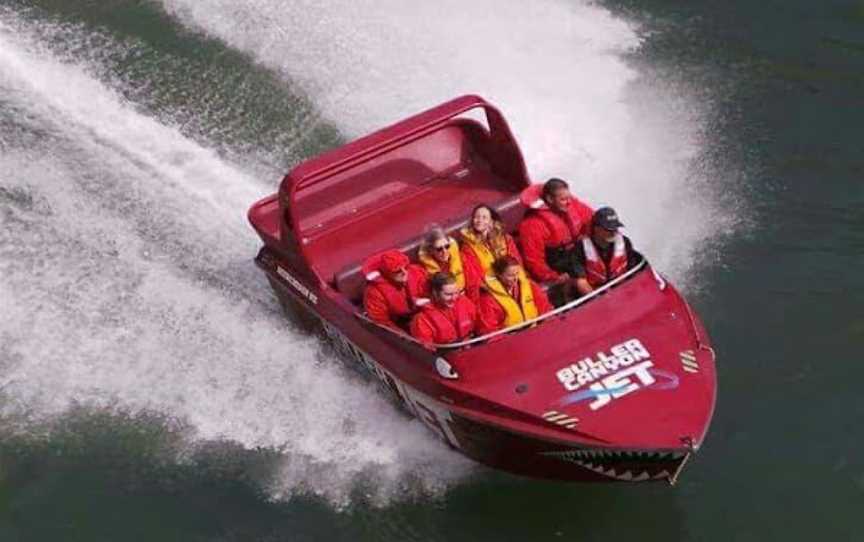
[556,69]
[125,274]
[126,283]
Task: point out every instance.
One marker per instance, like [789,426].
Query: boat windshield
[528,323]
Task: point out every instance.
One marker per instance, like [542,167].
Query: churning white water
[125,260]
[555,68]
[126,282]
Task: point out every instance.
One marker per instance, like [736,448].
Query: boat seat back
[350,282]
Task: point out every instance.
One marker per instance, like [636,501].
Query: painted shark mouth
[628,466]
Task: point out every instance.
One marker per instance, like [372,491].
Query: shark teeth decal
[619,464]
[619,455]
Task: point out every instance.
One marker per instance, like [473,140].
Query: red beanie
[392,261]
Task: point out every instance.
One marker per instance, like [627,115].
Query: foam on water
[623,137]
[125,275]
[126,282]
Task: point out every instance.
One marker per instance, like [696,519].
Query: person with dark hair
[554,222]
[449,318]
[510,298]
[440,252]
[395,290]
[483,241]
[604,254]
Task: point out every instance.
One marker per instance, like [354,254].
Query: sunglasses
[442,248]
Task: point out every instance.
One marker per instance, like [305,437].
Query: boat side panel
[406,359]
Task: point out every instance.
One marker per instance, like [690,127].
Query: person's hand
[561,278]
[583,286]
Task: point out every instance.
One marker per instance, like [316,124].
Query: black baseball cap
[607,218]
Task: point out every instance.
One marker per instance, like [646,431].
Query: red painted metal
[647,389]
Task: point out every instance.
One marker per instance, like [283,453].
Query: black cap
[607,218]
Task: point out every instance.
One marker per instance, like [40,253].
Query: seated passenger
[439,252]
[395,290]
[510,298]
[548,233]
[449,318]
[484,241]
[605,254]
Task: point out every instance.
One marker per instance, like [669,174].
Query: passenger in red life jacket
[605,254]
[450,317]
[510,298]
[484,240]
[395,288]
[548,233]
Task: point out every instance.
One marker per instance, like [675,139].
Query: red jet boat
[618,385]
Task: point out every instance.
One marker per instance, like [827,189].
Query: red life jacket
[598,272]
[564,228]
[451,325]
[401,300]
[398,300]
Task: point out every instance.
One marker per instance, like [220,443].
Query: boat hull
[526,453]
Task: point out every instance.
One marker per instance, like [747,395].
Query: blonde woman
[439,253]
[484,241]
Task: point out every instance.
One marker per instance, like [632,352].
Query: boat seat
[351,282]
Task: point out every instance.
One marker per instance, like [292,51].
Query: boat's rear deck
[388,203]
